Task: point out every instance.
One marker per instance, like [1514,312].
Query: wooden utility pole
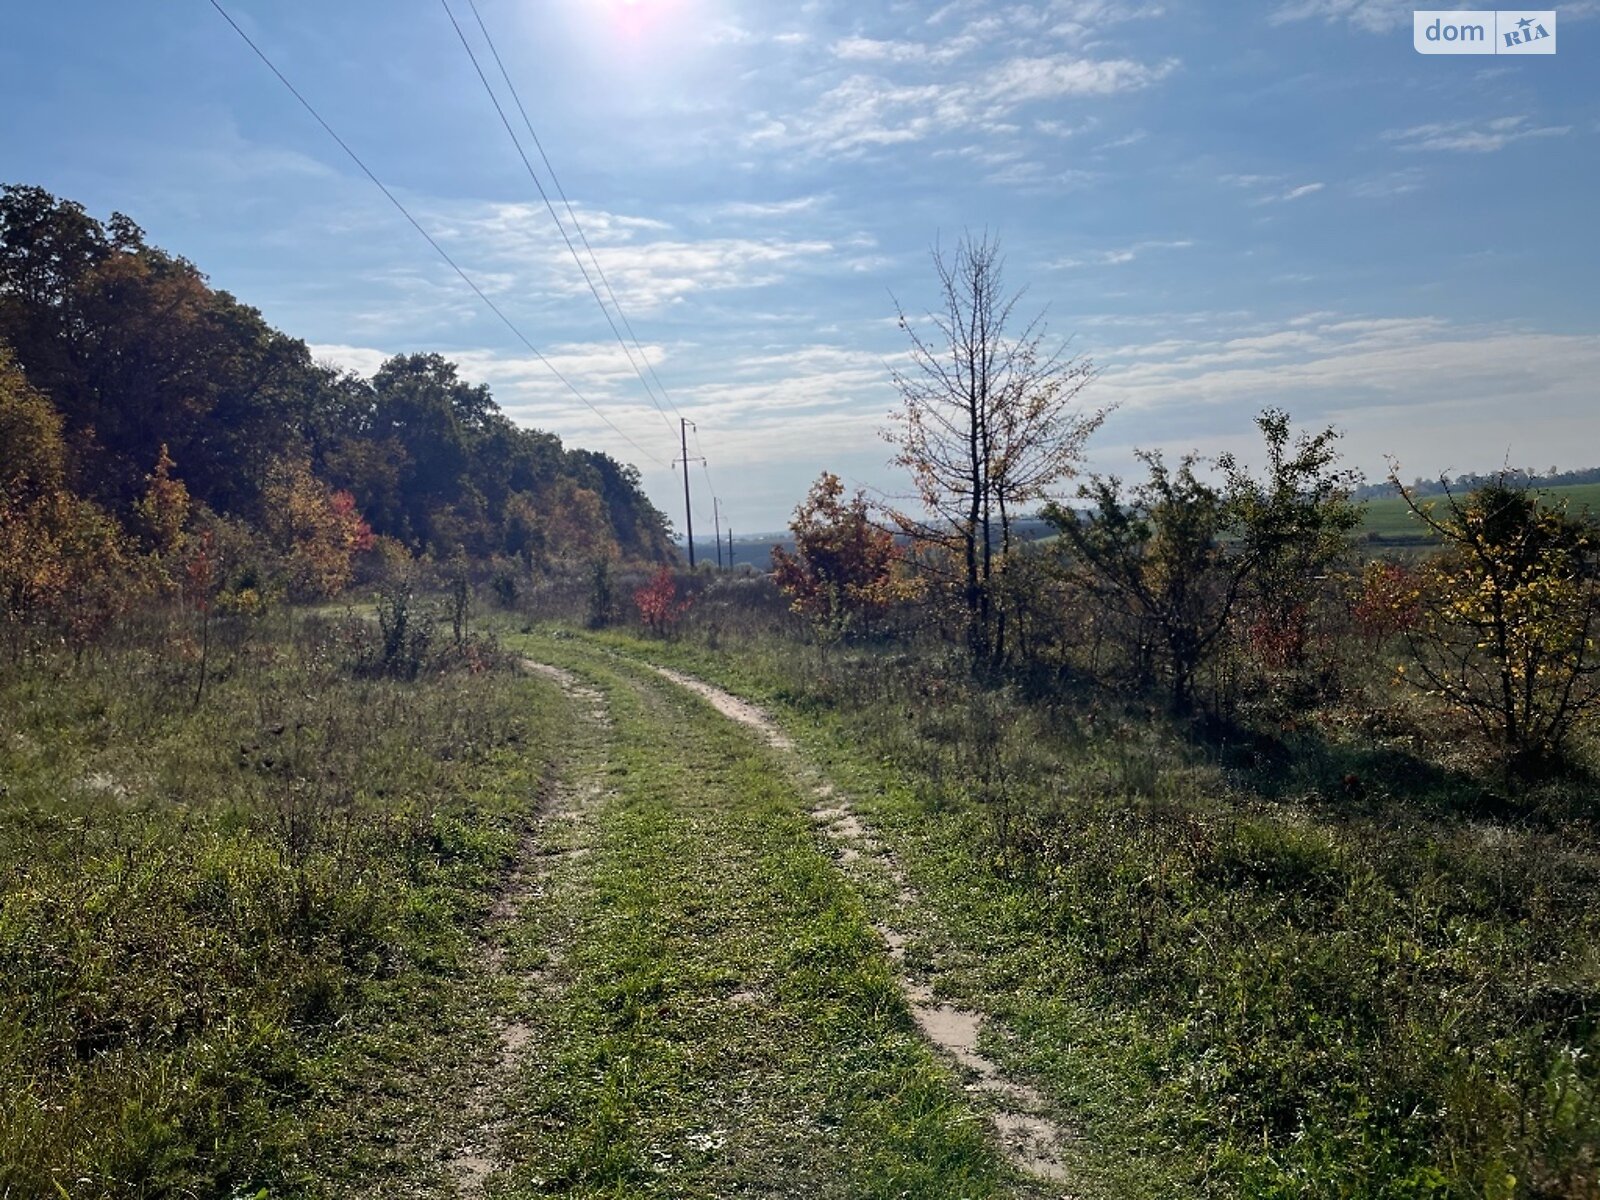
[730,547]
[716,522]
[688,510]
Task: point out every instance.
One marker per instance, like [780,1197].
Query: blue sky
[1270,204]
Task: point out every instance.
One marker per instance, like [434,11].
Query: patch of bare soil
[1030,1139]
[731,707]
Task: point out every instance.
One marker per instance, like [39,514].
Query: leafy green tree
[1156,560]
[1292,526]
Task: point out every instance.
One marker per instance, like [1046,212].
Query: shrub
[1508,616]
[660,607]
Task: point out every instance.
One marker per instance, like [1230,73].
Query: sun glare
[635,18]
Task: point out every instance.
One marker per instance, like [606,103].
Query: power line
[571,212]
[428,237]
[543,195]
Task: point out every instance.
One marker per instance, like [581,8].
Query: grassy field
[1390,520]
[321,926]
[228,928]
[1311,967]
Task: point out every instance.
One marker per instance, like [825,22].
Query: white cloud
[1472,137]
[770,208]
[1064,129]
[1382,16]
[867,111]
[363,360]
[1074,20]
[1293,193]
[862,49]
[1249,181]
[647,269]
[1120,255]
[1436,393]
[1127,139]
[1394,183]
[1373,16]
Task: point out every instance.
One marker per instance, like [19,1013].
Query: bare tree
[988,424]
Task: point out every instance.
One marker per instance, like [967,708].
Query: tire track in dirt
[477,1154]
[1030,1139]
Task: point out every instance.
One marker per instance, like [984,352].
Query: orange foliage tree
[842,572]
[574,524]
[163,517]
[318,533]
[64,563]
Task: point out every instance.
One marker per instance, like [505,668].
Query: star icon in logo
[1524,23]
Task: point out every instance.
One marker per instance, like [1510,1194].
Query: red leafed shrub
[353,528]
[1389,601]
[1279,637]
[659,605]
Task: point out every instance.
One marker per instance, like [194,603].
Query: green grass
[226,930]
[242,940]
[1240,977]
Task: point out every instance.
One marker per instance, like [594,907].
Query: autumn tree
[64,562]
[141,360]
[316,532]
[988,423]
[163,515]
[1508,615]
[842,572]
[574,526]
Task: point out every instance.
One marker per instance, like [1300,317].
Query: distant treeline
[1466,483]
[134,377]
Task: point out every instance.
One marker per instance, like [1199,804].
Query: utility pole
[716,521]
[730,545]
[688,510]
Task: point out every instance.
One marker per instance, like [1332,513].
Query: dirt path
[479,1152]
[1031,1140]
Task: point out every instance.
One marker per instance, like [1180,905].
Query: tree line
[1469,480]
[149,418]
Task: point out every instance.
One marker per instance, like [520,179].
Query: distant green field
[1389,518]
